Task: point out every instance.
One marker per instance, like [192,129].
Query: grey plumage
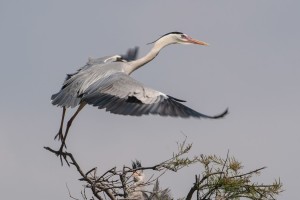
[121,94]
[106,83]
[159,194]
[69,94]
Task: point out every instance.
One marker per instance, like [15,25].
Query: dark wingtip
[131,54]
[221,115]
[178,100]
[136,164]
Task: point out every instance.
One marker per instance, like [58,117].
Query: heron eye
[183,36]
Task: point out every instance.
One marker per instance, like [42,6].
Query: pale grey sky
[251,66]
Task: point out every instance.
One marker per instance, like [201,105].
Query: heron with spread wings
[106,83]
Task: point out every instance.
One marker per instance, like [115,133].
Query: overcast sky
[251,67]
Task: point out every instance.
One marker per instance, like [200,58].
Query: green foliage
[224,179]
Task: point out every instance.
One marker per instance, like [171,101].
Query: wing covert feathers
[132,106]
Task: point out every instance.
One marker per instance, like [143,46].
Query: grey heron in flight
[106,83]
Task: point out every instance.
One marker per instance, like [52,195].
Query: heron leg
[60,133]
[63,141]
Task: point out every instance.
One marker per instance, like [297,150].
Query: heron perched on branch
[138,190]
[106,83]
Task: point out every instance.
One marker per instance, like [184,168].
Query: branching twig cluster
[114,184]
[221,179]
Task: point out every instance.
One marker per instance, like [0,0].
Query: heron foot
[62,154]
[59,135]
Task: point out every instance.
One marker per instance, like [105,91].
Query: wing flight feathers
[132,98]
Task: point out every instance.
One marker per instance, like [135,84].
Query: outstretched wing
[121,94]
[130,55]
[68,95]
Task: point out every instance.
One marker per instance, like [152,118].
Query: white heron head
[159,44]
[177,38]
[138,175]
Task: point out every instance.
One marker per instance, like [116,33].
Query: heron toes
[62,155]
[61,138]
[59,135]
[60,151]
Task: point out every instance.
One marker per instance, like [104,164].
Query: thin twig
[66,154]
[70,193]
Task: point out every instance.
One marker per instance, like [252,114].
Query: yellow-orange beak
[193,41]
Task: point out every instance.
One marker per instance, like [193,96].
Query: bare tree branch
[220,179]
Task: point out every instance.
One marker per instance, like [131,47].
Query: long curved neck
[134,65]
